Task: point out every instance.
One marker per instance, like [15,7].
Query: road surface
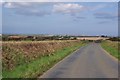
[90,61]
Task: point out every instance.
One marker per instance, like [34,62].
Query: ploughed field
[18,53]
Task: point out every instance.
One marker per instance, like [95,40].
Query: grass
[112,48]
[40,65]
[19,52]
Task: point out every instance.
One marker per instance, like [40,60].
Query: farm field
[112,47]
[25,59]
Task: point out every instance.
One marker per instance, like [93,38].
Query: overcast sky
[74,18]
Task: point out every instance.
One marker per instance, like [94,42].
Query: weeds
[31,59]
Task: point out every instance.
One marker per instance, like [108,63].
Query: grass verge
[40,65]
[112,48]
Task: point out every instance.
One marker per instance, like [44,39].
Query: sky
[71,18]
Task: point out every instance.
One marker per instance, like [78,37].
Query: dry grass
[20,52]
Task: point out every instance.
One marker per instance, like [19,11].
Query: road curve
[90,61]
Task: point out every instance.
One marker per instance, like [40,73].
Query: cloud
[1,3]
[28,8]
[33,13]
[67,8]
[61,0]
[16,4]
[24,4]
[40,9]
[9,5]
[80,17]
[105,15]
[99,6]
[103,22]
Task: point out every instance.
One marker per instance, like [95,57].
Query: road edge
[114,58]
[61,61]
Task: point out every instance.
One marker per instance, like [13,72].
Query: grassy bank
[112,48]
[39,65]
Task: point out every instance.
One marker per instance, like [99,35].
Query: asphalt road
[90,61]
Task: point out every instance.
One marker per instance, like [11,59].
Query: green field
[112,47]
[37,66]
